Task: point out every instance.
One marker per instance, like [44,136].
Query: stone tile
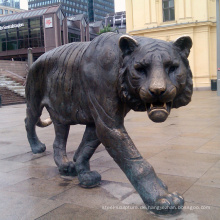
[125,212]
[211,178]
[200,134]
[105,161]
[12,150]
[93,198]
[16,206]
[100,154]
[183,150]
[42,161]
[147,155]
[203,195]
[71,211]
[133,199]
[65,180]
[7,166]
[193,211]
[26,157]
[217,164]
[7,179]
[151,149]
[182,147]
[2,156]
[145,137]
[118,190]
[188,141]
[177,183]
[212,147]
[183,163]
[99,169]
[40,172]
[40,188]
[115,175]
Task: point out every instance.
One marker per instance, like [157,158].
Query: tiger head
[155,75]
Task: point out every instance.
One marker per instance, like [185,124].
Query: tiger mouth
[158,111]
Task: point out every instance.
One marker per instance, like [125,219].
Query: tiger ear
[127,44]
[184,43]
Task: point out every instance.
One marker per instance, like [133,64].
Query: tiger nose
[157,88]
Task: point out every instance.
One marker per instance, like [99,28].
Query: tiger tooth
[151,106]
[165,105]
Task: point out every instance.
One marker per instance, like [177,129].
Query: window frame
[168,9]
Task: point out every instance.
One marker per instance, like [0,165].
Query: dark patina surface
[96,84]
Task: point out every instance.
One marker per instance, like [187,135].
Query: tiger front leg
[65,166]
[87,147]
[141,174]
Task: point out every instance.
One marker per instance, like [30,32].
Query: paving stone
[133,199]
[7,166]
[203,195]
[121,213]
[211,178]
[105,161]
[211,147]
[7,179]
[117,190]
[40,187]
[116,175]
[93,198]
[14,206]
[26,156]
[183,163]
[177,183]
[71,211]
[38,171]
[46,161]
[184,150]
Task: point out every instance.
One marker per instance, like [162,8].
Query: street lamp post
[218,45]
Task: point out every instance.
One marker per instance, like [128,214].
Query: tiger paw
[169,204]
[89,179]
[67,169]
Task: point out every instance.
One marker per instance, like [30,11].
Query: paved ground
[184,150]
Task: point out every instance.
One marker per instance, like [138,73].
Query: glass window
[73,37]
[12,45]
[23,44]
[1,11]
[35,42]
[2,35]
[12,34]
[168,10]
[34,22]
[6,12]
[10,12]
[34,32]
[23,34]
[4,46]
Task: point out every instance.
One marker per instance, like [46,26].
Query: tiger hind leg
[31,120]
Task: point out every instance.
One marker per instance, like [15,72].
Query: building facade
[170,19]
[94,9]
[5,10]
[116,21]
[10,3]
[42,30]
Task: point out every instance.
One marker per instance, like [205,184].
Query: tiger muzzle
[158,102]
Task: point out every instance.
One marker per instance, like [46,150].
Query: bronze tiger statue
[96,84]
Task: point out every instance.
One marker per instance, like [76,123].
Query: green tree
[107,29]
